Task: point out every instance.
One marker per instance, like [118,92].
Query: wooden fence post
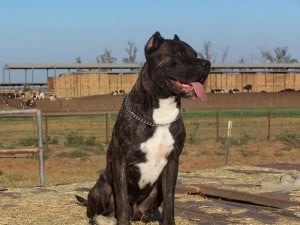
[46,131]
[269,123]
[107,117]
[217,125]
[228,141]
[242,127]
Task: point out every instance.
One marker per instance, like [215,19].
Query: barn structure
[79,79]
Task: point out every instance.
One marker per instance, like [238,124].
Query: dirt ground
[18,172]
[56,204]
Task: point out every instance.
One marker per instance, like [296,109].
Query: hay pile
[48,205]
[57,204]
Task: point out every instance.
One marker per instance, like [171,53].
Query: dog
[148,137]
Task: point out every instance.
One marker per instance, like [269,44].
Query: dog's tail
[81,201]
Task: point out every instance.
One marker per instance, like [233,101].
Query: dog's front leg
[120,192]
[168,184]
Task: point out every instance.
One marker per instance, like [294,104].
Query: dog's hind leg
[100,199]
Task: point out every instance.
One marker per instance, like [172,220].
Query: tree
[106,57]
[78,59]
[207,53]
[224,53]
[241,60]
[277,55]
[131,51]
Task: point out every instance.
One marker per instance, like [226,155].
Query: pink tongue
[199,90]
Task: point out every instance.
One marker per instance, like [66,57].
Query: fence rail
[37,116]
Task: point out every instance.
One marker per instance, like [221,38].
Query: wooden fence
[87,84]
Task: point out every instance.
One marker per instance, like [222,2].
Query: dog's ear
[153,43]
[176,38]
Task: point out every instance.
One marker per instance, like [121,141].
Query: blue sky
[57,31]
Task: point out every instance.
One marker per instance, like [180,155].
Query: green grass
[290,139]
[89,132]
[27,142]
[73,154]
[294,113]
[237,113]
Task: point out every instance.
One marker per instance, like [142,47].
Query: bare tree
[241,60]
[277,55]
[131,51]
[224,53]
[78,59]
[106,57]
[207,53]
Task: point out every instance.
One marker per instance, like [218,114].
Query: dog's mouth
[189,89]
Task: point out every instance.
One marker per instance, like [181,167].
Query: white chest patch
[158,147]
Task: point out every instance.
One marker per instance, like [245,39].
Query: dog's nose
[206,64]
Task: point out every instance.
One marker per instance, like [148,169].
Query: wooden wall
[268,82]
[87,84]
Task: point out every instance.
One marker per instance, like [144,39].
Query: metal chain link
[131,113]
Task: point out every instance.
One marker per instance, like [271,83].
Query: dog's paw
[103,220]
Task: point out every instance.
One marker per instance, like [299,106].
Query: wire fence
[258,124]
[92,131]
[69,137]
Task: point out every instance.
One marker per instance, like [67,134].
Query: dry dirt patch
[56,204]
[22,172]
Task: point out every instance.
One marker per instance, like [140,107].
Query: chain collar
[133,115]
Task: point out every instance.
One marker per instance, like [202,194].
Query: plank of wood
[19,151]
[276,200]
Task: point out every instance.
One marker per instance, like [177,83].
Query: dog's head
[174,69]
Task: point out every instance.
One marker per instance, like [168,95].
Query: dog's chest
[159,145]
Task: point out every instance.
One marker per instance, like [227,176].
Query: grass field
[246,123]
[75,145]
[94,130]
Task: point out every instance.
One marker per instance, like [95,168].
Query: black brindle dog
[148,137]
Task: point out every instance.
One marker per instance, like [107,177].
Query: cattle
[27,103]
[248,87]
[217,90]
[234,91]
[288,90]
[118,92]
